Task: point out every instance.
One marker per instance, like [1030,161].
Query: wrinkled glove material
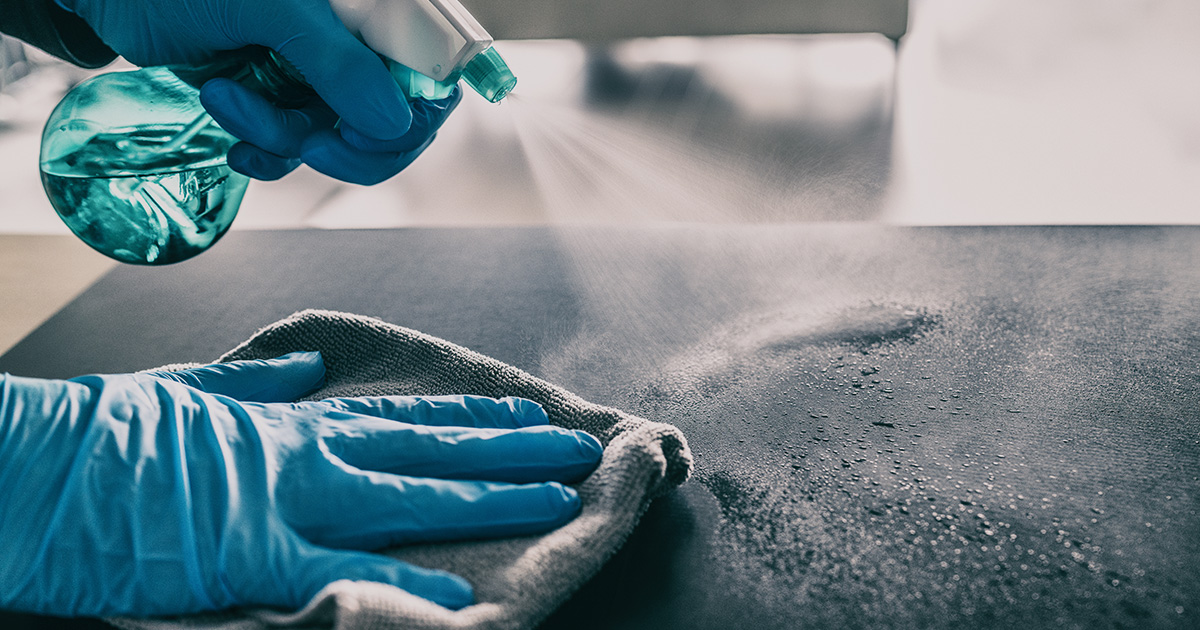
[204,489]
[358,97]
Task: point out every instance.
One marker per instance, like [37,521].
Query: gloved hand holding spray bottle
[134,166]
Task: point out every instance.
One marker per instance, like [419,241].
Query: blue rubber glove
[172,493]
[351,80]
[275,141]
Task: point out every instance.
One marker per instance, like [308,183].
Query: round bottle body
[105,170]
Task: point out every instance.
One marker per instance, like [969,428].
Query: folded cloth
[518,581]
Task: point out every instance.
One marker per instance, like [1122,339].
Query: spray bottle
[136,169]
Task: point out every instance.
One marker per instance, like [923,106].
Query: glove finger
[358,509]
[345,73]
[308,569]
[528,455]
[252,161]
[282,379]
[327,152]
[252,118]
[428,117]
[461,411]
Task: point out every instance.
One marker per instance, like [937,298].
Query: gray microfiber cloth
[518,581]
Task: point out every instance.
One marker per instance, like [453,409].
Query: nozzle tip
[487,74]
[502,89]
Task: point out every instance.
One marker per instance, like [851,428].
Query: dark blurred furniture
[621,19]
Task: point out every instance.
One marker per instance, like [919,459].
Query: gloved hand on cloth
[168,493]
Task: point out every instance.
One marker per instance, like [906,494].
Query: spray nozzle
[487,74]
[429,45]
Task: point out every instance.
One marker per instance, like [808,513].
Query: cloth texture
[43,24]
[518,581]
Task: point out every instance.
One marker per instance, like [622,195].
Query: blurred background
[922,112]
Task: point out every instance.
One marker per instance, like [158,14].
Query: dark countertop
[893,427]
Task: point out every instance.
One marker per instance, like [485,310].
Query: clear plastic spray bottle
[136,168]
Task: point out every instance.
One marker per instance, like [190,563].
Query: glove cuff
[80,44]
[51,26]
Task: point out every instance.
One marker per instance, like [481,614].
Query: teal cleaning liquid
[136,171]
[127,198]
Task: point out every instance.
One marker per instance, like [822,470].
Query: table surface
[893,427]
[40,274]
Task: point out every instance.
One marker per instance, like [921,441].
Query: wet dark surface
[893,427]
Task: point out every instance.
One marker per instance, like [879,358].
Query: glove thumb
[312,568]
[283,379]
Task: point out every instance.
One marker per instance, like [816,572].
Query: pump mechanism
[429,45]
